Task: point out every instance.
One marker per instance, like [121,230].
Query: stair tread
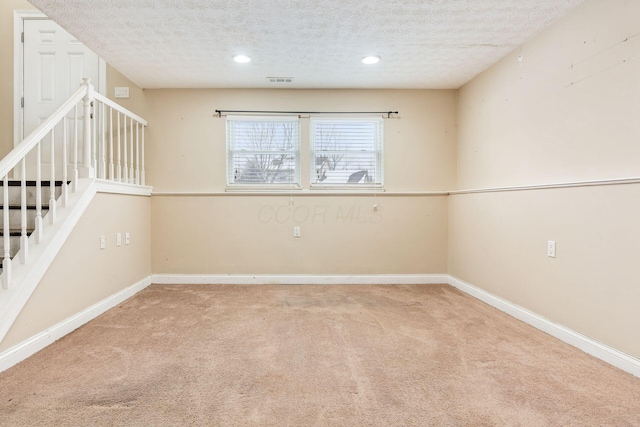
[32,183]
[16,232]
[29,207]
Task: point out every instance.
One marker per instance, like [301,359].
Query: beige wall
[136,103]
[188,152]
[340,234]
[82,274]
[567,111]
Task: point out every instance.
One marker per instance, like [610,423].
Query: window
[263,151]
[346,152]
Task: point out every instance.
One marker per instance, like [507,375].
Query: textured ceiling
[190,43]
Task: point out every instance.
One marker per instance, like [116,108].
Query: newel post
[87,104]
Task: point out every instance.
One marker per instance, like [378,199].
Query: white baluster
[94,139]
[24,239]
[131,177]
[142,177]
[137,153]
[74,185]
[111,176]
[119,164]
[6,262]
[125,172]
[52,182]
[103,146]
[38,230]
[86,154]
[63,188]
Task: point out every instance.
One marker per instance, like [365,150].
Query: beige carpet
[313,356]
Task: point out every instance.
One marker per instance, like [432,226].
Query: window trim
[233,186]
[348,187]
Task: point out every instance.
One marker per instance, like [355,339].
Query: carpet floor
[313,356]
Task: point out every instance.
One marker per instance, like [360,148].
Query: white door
[54,65]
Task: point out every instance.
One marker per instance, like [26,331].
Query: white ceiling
[190,43]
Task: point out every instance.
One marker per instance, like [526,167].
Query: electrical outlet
[103,242]
[127,238]
[296,231]
[118,239]
[551,248]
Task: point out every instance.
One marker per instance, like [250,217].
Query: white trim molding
[299,279]
[590,346]
[302,193]
[104,186]
[305,192]
[20,352]
[550,186]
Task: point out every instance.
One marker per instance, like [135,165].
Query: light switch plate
[121,92]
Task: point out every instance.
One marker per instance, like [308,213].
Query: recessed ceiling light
[371,59]
[242,59]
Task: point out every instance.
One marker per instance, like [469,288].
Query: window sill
[357,188]
[314,190]
[262,189]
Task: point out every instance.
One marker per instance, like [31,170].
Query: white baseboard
[590,346]
[36,343]
[603,352]
[299,279]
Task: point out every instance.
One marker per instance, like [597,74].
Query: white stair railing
[67,146]
[116,125]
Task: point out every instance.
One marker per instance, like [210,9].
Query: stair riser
[15,218]
[14,191]
[15,195]
[15,247]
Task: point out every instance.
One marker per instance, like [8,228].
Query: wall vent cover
[279,80]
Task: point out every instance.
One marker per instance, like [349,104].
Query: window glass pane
[347,152]
[263,151]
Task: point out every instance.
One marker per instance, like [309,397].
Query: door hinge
[22,37]
[22,102]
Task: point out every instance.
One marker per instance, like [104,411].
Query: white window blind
[346,152]
[263,151]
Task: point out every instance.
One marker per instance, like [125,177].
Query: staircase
[87,140]
[31,212]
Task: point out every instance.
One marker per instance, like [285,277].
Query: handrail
[119,108]
[21,150]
